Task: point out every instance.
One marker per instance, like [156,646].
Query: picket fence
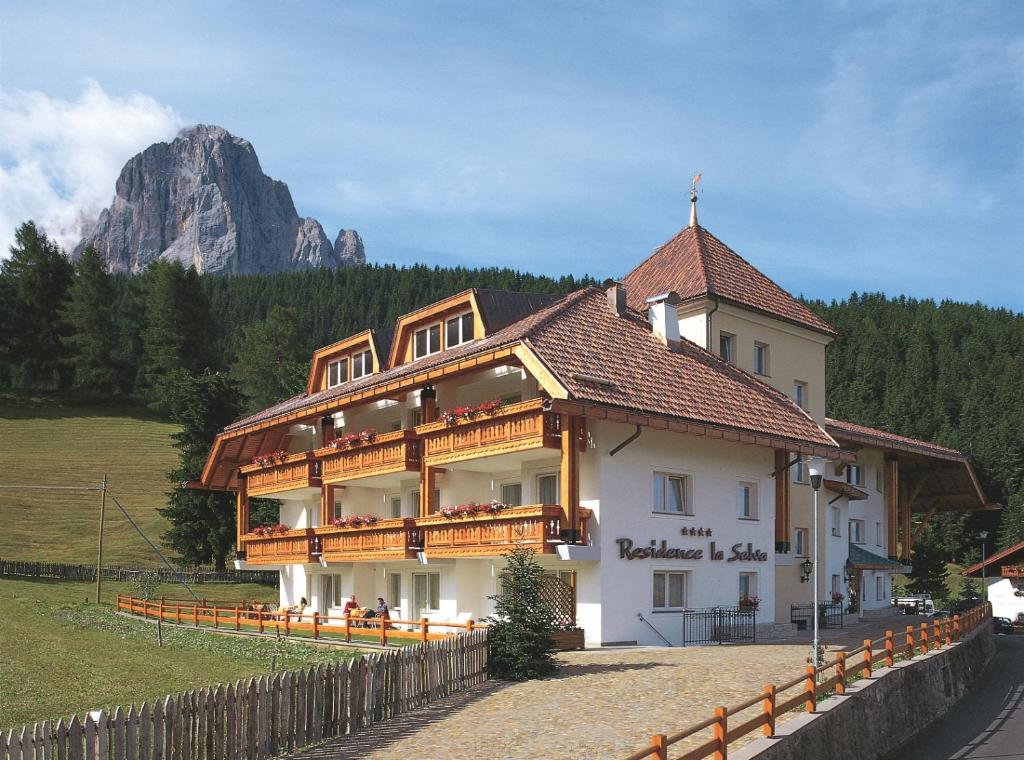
[262,717]
[193,575]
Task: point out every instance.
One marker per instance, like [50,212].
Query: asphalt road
[988,722]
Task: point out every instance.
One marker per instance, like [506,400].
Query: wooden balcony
[536,527]
[386,539]
[386,454]
[516,427]
[295,471]
[295,546]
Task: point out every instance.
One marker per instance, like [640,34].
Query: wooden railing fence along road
[810,687]
[262,717]
[193,575]
[234,616]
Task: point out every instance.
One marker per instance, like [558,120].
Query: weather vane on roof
[693,198]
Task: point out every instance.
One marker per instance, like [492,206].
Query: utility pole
[99,552]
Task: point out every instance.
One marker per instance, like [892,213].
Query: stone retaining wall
[879,714]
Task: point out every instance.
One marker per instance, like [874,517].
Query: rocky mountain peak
[204,200]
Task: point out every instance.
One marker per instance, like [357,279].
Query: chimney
[664,317]
[616,296]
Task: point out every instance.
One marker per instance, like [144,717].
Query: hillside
[45,440]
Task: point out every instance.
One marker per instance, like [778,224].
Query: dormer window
[725,346]
[459,330]
[426,341]
[362,364]
[337,373]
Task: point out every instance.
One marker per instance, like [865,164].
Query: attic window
[426,341]
[459,330]
[337,373]
[362,364]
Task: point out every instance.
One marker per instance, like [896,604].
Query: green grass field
[62,655]
[46,439]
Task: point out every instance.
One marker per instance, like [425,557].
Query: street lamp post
[815,470]
[984,580]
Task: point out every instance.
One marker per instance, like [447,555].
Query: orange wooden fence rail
[811,687]
[236,616]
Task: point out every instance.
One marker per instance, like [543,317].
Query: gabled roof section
[361,340]
[500,308]
[1013,555]
[695,263]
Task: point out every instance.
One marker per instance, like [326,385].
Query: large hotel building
[648,440]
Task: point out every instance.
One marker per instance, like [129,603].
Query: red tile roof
[1011,555]
[840,429]
[695,263]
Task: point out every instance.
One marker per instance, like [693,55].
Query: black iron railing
[718,625]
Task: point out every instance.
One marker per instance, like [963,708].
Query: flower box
[566,641]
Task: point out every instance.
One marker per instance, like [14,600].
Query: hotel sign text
[738,552]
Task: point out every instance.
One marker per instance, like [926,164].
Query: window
[337,373]
[878,534]
[362,364]
[837,529]
[414,501]
[415,418]
[879,587]
[857,531]
[835,585]
[395,426]
[748,585]
[426,593]
[512,398]
[669,591]
[512,494]
[762,364]
[747,501]
[330,592]
[426,341]
[726,344]
[458,330]
[878,479]
[395,592]
[547,489]
[395,506]
[800,542]
[854,475]
[800,393]
[800,472]
[336,509]
[670,494]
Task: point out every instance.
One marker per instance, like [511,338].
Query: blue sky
[844,146]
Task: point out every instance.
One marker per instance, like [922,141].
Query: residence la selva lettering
[664,551]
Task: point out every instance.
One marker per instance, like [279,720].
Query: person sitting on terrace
[382,611]
[350,605]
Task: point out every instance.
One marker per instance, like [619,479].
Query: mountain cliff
[203,200]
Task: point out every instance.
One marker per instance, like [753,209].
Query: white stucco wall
[1005,603]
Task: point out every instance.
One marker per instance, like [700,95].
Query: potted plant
[750,603]
[568,636]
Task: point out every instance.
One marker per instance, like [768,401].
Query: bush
[520,633]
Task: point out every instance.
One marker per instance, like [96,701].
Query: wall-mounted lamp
[806,568]
[848,571]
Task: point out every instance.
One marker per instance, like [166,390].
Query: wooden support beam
[782,478]
[570,473]
[428,482]
[892,499]
[924,521]
[241,514]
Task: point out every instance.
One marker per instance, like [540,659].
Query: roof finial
[693,199]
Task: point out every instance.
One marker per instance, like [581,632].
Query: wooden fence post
[177,613]
[910,642]
[768,708]
[259,617]
[238,619]
[383,633]
[316,625]
[195,615]
[721,733]
[423,629]
[840,672]
[660,745]
[810,689]
[937,633]
[924,638]
[348,626]
[287,623]
[948,629]
[956,628]
[890,650]
[866,668]
[216,616]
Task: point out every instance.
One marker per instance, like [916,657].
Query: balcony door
[426,593]
[548,491]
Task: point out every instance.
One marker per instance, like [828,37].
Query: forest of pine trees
[203,349]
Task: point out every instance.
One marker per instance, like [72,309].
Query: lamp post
[815,470]
[984,580]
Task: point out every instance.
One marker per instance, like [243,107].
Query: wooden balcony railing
[386,539]
[391,452]
[536,526]
[516,427]
[296,471]
[295,546]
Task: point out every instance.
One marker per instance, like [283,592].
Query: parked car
[1002,625]
[939,614]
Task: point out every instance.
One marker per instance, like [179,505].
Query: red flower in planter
[270,530]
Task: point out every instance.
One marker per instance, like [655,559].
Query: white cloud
[59,159]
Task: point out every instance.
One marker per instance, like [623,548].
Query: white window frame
[502,485]
[432,580]
[330,591]
[668,607]
[836,584]
[800,472]
[800,390]
[338,379]
[854,475]
[747,509]
[879,587]
[800,536]
[437,346]
[395,592]
[878,533]
[558,484]
[460,320]
[389,499]
[365,364]
[728,341]
[837,521]
[752,583]
[687,482]
[856,528]
[878,479]
[764,351]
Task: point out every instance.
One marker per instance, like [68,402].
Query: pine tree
[202,522]
[92,342]
[520,633]
[36,279]
[273,362]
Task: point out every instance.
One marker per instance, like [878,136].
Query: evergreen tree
[35,282]
[92,341]
[1011,530]
[202,522]
[520,633]
[273,362]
